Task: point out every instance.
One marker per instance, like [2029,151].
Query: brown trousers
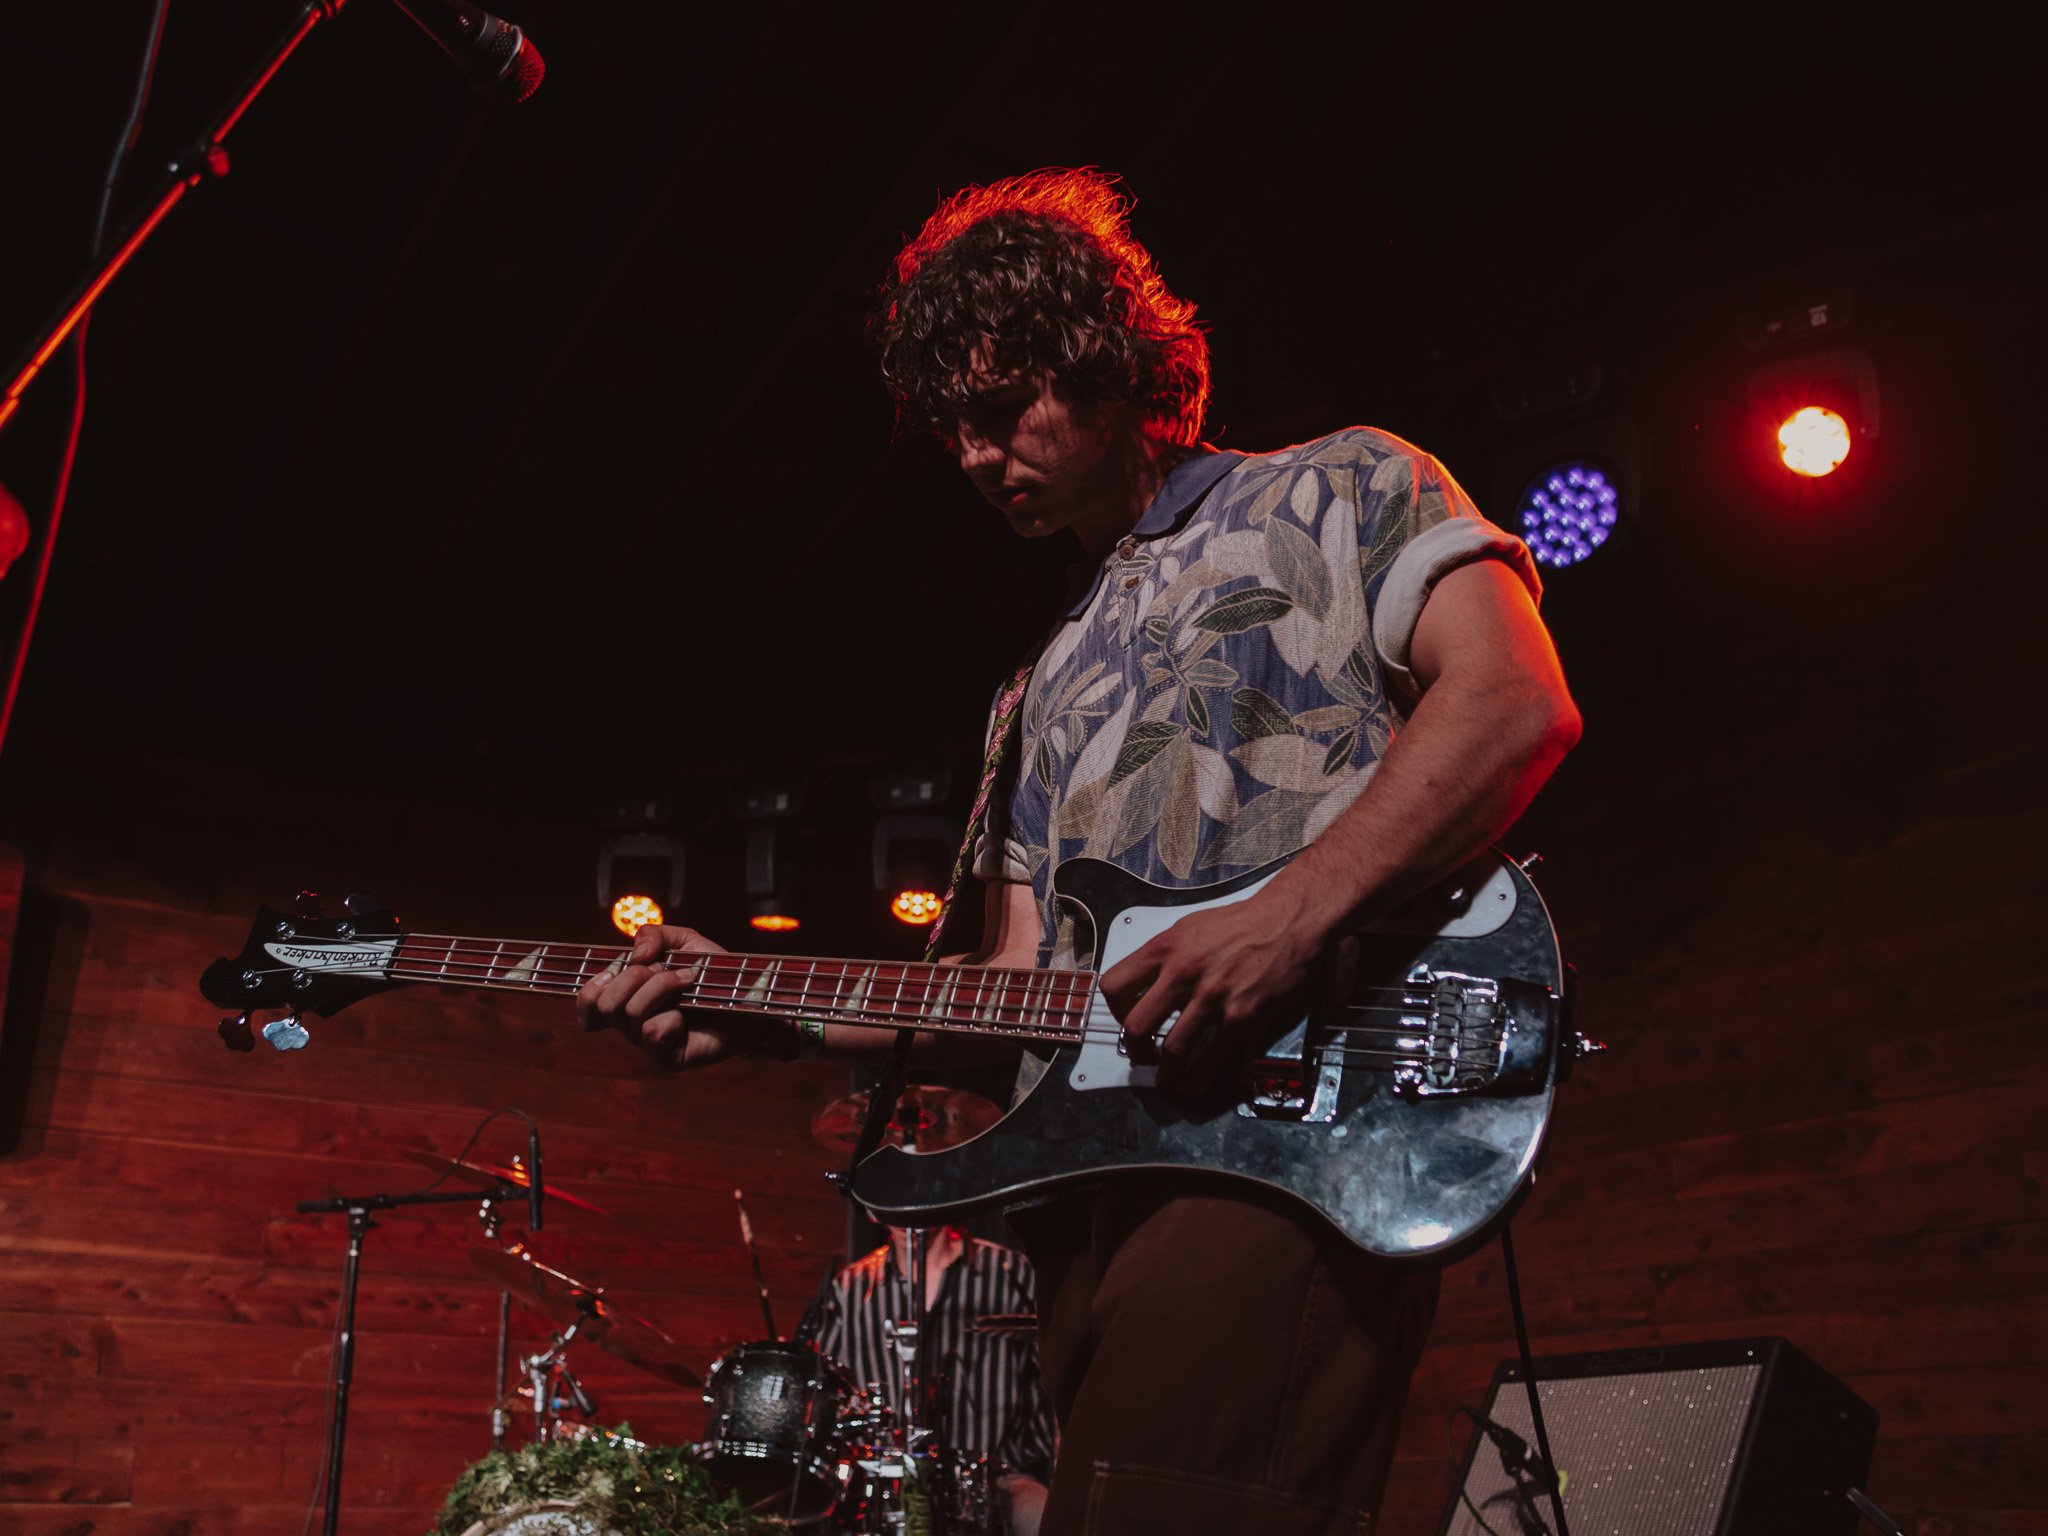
[1219,1362]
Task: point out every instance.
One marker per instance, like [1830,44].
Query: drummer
[997,1407]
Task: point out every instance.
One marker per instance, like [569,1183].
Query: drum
[771,1439]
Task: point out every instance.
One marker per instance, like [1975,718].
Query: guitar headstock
[303,963]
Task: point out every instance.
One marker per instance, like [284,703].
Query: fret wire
[803,997]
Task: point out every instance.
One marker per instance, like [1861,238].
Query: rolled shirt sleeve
[1432,528]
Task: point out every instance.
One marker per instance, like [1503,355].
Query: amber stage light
[1813,441]
[918,908]
[774,922]
[632,913]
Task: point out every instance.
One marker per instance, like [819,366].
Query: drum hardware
[1006,1325]
[926,1116]
[754,1258]
[570,1302]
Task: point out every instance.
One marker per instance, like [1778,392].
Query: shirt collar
[1171,506]
[1182,491]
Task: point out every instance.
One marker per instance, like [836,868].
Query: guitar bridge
[1471,1034]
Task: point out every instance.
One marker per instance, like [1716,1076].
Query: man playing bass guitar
[1323,649]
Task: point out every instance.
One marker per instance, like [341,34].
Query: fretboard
[887,994]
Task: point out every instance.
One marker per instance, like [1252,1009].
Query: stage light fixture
[1813,409]
[639,865]
[913,845]
[1567,510]
[767,809]
[1813,441]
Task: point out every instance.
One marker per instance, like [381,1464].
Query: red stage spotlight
[1813,441]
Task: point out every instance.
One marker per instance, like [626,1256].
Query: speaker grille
[1640,1453]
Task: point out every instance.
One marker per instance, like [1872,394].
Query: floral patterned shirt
[1233,677]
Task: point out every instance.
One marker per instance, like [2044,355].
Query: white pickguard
[1101,1065]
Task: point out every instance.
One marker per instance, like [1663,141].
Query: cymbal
[497,1173]
[941,1117]
[556,1296]
[1006,1325]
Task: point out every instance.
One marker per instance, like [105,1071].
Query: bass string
[774,1002]
[1343,1052]
[1481,1038]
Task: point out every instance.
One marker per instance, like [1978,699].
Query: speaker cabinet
[1743,1437]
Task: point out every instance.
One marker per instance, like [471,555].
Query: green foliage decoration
[609,1483]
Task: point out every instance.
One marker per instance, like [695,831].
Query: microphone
[534,1193]
[1517,1457]
[495,55]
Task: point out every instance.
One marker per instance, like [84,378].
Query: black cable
[454,1162]
[1451,1451]
[1507,1252]
[131,131]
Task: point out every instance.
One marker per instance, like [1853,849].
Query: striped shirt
[997,1402]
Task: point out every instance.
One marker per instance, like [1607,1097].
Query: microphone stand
[358,1208]
[198,161]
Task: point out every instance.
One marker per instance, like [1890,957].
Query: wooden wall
[165,1318]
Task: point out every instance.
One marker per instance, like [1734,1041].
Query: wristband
[790,1039]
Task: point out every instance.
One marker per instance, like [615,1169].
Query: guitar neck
[884,994]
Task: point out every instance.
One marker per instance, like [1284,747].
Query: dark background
[535,453]
[454,469]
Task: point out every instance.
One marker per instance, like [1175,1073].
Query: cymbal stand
[501,1418]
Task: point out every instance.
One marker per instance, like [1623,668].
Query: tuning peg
[287,1033]
[360,905]
[307,905]
[1581,1046]
[235,1034]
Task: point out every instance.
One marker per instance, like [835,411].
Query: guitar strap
[889,1086]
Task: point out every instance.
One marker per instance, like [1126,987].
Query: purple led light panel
[1567,512]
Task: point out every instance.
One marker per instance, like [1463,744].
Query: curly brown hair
[1041,269]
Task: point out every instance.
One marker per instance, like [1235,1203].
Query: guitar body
[1419,1168]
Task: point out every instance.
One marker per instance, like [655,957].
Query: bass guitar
[1406,1110]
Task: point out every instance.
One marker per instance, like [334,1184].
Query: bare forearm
[1468,763]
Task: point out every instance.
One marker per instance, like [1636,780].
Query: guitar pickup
[1283,1089]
